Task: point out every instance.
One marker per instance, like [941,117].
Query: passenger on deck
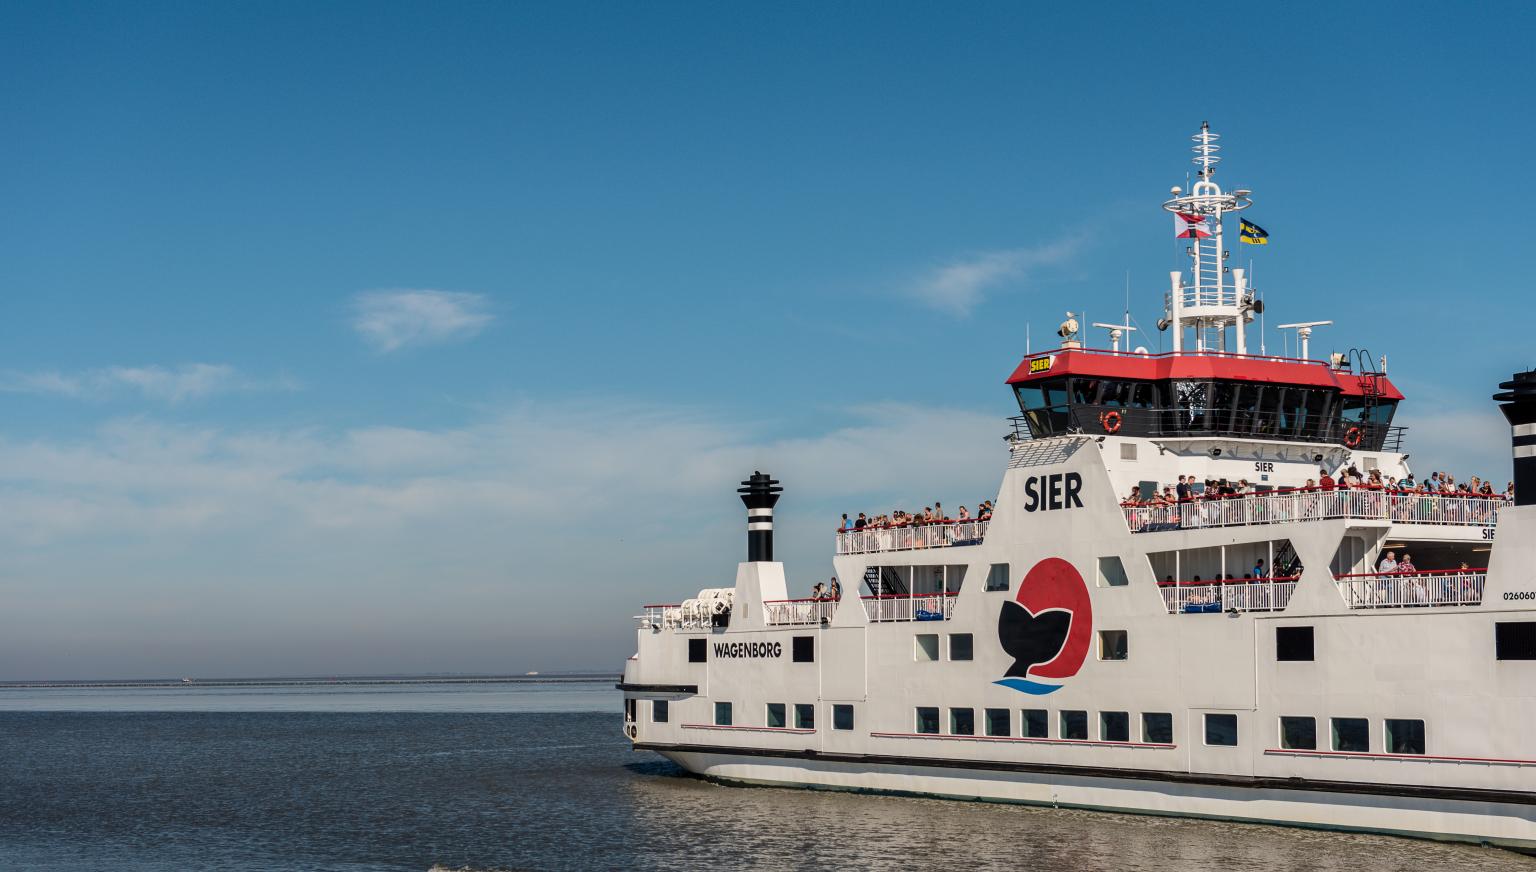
[1406,564]
[819,592]
[834,590]
[1258,568]
[1388,563]
[938,511]
[1324,480]
[964,515]
[845,525]
[1182,491]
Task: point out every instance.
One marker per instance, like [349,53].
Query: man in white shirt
[1388,563]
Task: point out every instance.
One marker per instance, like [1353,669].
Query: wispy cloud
[958,287]
[392,320]
[189,381]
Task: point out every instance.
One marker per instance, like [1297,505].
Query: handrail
[1456,587]
[1310,504]
[1409,573]
[906,538]
[1233,581]
[1204,353]
[1235,595]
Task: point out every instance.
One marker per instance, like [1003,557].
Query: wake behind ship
[1211,586]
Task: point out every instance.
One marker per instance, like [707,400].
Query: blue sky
[420,337]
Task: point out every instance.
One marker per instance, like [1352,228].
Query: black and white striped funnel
[759,492]
[1518,402]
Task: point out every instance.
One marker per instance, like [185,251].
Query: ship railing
[1310,504]
[1392,590]
[659,615]
[798,611]
[939,534]
[909,607]
[1248,595]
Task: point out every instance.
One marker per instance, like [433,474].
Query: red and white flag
[1186,226]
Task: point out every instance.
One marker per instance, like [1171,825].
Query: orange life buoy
[1111,421]
[1352,437]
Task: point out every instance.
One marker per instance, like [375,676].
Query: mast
[1213,298]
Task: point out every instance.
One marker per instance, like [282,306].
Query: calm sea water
[521,775]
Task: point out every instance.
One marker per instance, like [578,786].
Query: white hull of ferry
[1504,825]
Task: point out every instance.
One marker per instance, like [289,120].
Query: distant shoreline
[551,678]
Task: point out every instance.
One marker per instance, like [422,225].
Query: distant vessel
[530,673]
[1230,655]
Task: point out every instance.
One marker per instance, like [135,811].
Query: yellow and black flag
[1251,233]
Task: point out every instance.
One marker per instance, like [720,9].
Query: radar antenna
[1215,297]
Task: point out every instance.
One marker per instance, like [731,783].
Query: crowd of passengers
[1191,488]
[933,514]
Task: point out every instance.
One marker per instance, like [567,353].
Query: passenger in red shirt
[1324,480]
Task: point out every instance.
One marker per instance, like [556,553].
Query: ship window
[1127,450]
[1220,729]
[960,646]
[1293,643]
[697,651]
[1074,725]
[803,649]
[962,722]
[997,577]
[722,714]
[1114,726]
[1037,725]
[1157,728]
[1298,733]
[926,646]
[1515,640]
[629,710]
[1113,645]
[805,716]
[1405,737]
[842,717]
[999,722]
[1352,734]
[1085,391]
[927,719]
[776,715]
[1112,572]
[658,711]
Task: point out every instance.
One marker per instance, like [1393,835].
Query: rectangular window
[1112,572]
[1515,640]
[776,715]
[842,717]
[722,714]
[1298,733]
[803,649]
[1074,725]
[1405,737]
[696,650]
[1293,643]
[1113,645]
[629,710]
[962,722]
[1114,726]
[926,646]
[805,716]
[1037,724]
[1157,728]
[1352,734]
[960,646]
[658,711]
[1220,729]
[997,577]
[999,722]
[927,719]
[1127,450]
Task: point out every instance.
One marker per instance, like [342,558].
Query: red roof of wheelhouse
[1195,366]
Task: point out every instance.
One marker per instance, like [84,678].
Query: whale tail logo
[1046,630]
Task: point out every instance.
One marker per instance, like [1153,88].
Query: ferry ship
[1237,656]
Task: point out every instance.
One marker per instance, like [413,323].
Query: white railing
[798,611]
[1404,589]
[944,534]
[901,607]
[1262,595]
[1284,507]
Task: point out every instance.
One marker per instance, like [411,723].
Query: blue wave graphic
[1028,686]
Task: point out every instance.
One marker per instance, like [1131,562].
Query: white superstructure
[1090,645]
